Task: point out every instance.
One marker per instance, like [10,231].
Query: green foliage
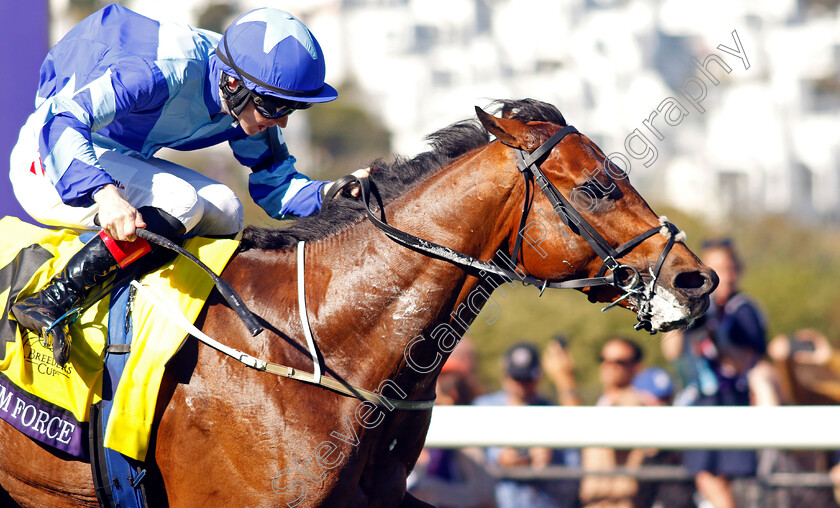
[791,270]
[216,17]
[345,136]
[80,9]
[523,315]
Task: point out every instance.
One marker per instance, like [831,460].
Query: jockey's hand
[116,216]
[359,173]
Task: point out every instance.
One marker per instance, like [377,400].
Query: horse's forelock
[529,110]
[394,178]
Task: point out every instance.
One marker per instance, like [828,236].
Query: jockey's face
[253,122]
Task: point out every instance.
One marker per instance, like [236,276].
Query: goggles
[275,107]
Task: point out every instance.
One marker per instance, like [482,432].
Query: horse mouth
[666,311]
[670,325]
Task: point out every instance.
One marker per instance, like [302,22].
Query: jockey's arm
[274,183]
[67,151]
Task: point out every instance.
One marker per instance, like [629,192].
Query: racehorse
[384,317]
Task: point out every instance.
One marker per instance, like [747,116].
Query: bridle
[529,165]
[625,278]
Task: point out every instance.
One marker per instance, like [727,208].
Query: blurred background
[757,159]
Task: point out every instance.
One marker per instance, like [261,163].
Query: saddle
[52,404]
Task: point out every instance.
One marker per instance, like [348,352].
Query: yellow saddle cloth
[51,403]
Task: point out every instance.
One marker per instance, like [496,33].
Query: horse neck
[399,313]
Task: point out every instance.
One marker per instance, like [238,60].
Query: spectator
[464,360]
[620,362]
[559,367]
[805,364]
[765,384]
[809,369]
[714,356]
[522,374]
[656,388]
[452,478]
[835,477]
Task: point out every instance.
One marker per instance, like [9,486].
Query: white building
[768,136]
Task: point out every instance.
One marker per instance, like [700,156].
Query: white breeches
[204,206]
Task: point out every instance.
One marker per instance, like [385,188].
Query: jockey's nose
[282,121]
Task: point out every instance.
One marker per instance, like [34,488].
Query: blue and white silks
[121,81]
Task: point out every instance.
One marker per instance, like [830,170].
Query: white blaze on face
[666,309]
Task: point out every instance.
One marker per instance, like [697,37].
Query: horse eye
[593,190]
[584,199]
[602,190]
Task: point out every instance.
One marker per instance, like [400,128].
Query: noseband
[626,279]
[631,283]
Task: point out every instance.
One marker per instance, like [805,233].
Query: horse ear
[510,132]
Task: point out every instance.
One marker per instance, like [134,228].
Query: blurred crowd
[722,359]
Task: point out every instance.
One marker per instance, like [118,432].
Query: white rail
[787,427]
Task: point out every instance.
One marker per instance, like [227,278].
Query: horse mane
[395,178]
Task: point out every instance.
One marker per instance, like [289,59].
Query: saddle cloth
[51,404]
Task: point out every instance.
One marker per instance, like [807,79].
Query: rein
[529,166]
[250,321]
[275,368]
[630,285]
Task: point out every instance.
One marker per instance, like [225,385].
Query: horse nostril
[689,280]
[696,282]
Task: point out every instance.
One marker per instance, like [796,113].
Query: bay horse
[383,316]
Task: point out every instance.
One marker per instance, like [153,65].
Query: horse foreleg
[410,501]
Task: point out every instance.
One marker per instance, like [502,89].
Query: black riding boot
[85,270]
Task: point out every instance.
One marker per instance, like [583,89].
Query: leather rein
[629,281]
[529,166]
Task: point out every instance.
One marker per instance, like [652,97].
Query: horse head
[583,220]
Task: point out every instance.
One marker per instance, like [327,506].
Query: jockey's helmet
[277,60]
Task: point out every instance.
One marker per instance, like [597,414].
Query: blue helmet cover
[273,53]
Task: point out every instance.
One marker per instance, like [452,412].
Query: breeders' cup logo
[41,357]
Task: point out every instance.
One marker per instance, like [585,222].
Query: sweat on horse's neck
[361,284]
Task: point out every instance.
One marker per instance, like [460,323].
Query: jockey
[120,86]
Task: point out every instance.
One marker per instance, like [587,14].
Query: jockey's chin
[253,123]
